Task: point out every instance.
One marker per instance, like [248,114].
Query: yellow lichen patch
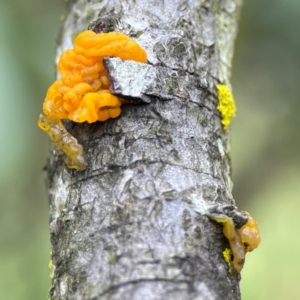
[227,255]
[111,258]
[50,265]
[64,142]
[226,105]
[82,92]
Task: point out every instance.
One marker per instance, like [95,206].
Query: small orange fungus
[82,93]
[250,234]
[242,240]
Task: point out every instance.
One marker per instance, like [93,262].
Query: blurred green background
[265,144]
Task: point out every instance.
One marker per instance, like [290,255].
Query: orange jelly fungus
[82,94]
[250,234]
[242,240]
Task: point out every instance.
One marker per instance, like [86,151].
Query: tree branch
[132,226]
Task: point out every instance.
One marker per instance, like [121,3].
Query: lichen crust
[226,105]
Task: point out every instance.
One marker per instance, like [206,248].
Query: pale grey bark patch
[144,81]
[132,226]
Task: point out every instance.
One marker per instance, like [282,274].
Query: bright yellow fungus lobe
[64,142]
[82,93]
[226,105]
[241,240]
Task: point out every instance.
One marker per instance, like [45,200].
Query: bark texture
[132,226]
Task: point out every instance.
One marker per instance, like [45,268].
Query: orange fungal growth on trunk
[82,92]
[241,240]
[250,234]
[64,142]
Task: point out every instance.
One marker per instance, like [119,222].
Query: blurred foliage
[265,144]
[28,30]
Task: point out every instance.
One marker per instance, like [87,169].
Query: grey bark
[132,226]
